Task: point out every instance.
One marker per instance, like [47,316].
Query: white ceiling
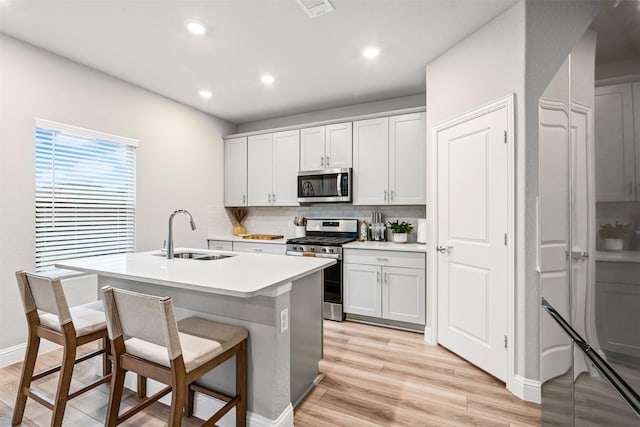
[618,28]
[317,62]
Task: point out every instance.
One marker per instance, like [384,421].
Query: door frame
[431,328]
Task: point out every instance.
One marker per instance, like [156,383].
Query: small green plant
[400,227]
[617,231]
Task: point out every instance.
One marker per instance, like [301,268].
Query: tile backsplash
[279,220]
[623,212]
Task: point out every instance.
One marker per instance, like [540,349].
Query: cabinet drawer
[260,248]
[220,245]
[384,258]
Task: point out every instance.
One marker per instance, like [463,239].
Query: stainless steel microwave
[329,185]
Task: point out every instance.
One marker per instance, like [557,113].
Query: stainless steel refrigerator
[590,305]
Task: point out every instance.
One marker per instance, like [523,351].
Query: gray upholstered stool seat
[86,318]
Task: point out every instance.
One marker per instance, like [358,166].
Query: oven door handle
[314,255]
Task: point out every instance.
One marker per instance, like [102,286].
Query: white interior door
[472,194]
[553,232]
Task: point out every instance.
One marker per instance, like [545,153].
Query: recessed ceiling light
[370,52]
[206,94]
[267,79]
[196,28]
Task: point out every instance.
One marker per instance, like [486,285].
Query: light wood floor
[373,377]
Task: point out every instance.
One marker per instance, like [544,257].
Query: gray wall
[517,52]
[335,113]
[179,159]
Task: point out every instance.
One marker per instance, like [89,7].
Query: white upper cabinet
[260,169]
[272,167]
[615,148]
[235,172]
[407,160]
[326,147]
[286,149]
[389,165]
[371,161]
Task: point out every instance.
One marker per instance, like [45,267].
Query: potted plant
[614,235]
[399,231]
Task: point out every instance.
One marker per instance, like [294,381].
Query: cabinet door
[260,248]
[407,160]
[370,163]
[235,172]
[260,170]
[614,144]
[286,154]
[312,148]
[338,146]
[636,124]
[362,289]
[220,245]
[403,294]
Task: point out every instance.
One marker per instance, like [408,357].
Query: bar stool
[49,317]
[147,339]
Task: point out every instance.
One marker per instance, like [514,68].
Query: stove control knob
[330,250]
[325,250]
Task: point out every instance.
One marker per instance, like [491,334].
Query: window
[85,193]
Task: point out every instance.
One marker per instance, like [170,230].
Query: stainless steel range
[324,239]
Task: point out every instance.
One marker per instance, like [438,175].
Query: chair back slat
[141,316]
[43,293]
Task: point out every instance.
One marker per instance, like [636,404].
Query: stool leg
[188,403]
[178,389]
[106,363]
[25,377]
[142,386]
[64,381]
[117,384]
[241,385]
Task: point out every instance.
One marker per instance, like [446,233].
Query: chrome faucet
[170,238]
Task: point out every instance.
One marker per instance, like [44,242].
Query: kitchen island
[277,298]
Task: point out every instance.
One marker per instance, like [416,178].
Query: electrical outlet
[284,320]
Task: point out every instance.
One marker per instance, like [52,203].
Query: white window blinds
[85,193]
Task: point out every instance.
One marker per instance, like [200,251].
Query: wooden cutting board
[263,236]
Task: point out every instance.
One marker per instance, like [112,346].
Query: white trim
[76,130]
[507,102]
[15,354]
[329,122]
[630,78]
[526,389]
[204,406]
[428,336]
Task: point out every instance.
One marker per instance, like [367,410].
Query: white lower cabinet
[385,284]
[260,248]
[220,245]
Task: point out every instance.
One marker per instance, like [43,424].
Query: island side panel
[268,348]
[306,334]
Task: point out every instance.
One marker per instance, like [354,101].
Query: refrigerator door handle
[617,382]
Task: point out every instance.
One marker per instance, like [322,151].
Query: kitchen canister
[422,231]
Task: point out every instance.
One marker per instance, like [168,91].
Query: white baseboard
[15,354]
[428,336]
[526,389]
[204,406]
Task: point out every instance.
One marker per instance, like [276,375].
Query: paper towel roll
[422,231]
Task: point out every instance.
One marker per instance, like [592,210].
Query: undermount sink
[197,256]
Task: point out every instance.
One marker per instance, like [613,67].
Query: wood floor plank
[385,377]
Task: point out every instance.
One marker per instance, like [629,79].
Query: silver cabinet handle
[244,199]
[321,161]
[273,199]
[326,162]
[378,276]
[257,250]
[269,197]
[382,259]
[392,195]
[385,195]
[386,277]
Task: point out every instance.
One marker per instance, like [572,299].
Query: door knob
[444,249]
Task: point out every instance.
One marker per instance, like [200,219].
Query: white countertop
[625,256]
[243,275]
[232,238]
[387,246]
